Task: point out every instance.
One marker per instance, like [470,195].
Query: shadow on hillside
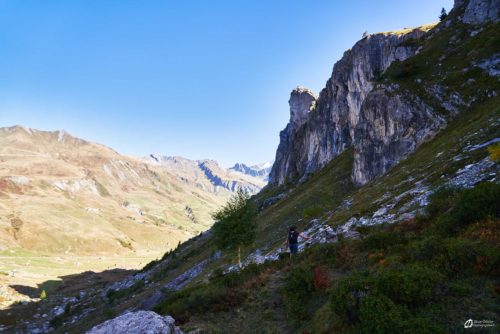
[56,290]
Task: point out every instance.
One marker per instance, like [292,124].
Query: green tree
[43,295]
[443,14]
[235,223]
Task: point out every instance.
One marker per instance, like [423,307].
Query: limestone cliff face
[352,110]
[389,128]
[478,11]
[322,127]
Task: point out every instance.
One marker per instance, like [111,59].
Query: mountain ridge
[82,174]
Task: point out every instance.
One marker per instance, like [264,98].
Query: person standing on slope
[293,239]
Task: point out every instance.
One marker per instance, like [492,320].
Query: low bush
[321,252]
[422,325]
[441,201]
[379,301]
[425,249]
[383,240]
[323,320]
[347,295]
[464,207]
[494,151]
[379,314]
[320,278]
[297,289]
[201,299]
[344,256]
[477,203]
[412,285]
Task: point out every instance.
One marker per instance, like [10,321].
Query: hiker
[293,239]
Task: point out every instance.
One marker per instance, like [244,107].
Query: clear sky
[200,79]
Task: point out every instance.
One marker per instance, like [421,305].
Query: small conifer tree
[443,14]
[235,223]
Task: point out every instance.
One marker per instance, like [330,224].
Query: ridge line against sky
[193,79]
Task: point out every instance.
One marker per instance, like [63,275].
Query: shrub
[455,209]
[347,295]
[423,325]
[489,262]
[494,151]
[56,321]
[320,278]
[425,249]
[379,314]
[67,309]
[412,285]
[487,230]
[231,279]
[458,255]
[402,70]
[323,321]
[43,295]
[296,290]
[344,256]
[201,299]
[442,200]
[478,203]
[382,240]
[321,252]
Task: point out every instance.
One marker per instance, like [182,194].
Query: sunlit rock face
[320,128]
[478,11]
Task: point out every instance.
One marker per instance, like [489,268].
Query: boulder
[139,322]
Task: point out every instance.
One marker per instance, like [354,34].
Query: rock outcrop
[478,11]
[321,128]
[390,127]
[138,322]
[381,121]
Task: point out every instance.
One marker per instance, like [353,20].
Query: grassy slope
[261,299]
[433,164]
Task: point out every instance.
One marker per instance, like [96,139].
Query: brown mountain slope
[63,195]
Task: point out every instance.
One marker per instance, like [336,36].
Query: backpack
[293,237]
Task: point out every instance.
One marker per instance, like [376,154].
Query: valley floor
[23,275]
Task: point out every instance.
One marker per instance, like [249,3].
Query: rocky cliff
[478,11]
[381,121]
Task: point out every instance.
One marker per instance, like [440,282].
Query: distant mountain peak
[260,171]
[209,170]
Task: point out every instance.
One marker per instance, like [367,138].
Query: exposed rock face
[289,155]
[389,128]
[478,11]
[138,322]
[302,101]
[320,129]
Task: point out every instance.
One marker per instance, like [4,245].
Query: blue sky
[200,79]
